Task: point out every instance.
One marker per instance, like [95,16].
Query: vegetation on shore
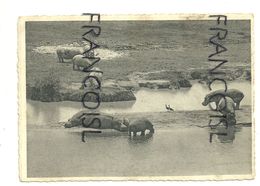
[50,89]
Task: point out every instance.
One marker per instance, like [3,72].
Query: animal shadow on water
[84,133]
[140,138]
[224,134]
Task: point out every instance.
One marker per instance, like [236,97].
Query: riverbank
[169,62]
[107,94]
[51,88]
[199,118]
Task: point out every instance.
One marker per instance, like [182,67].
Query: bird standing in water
[168,107]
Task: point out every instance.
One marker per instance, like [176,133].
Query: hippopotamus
[216,96]
[226,107]
[139,125]
[96,121]
[68,53]
[80,61]
[96,72]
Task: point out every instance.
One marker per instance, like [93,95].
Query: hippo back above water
[139,125]
[96,121]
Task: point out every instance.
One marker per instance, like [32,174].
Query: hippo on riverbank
[96,121]
[216,96]
[94,78]
[68,53]
[80,62]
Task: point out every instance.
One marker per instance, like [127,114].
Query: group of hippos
[105,121]
[76,55]
[82,118]
[226,103]
[80,62]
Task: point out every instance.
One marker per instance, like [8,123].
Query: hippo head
[206,101]
[126,122]
[70,123]
[117,124]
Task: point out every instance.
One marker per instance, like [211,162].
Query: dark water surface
[171,152]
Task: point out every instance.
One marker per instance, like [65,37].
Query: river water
[147,100]
[177,148]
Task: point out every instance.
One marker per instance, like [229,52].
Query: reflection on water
[84,132]
[224,134]
[146,101]
[140,139]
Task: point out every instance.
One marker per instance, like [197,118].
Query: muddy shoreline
[168,119]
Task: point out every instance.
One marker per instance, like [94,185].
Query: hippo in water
[216,96]
[227,108]
[96,121]
[139,125]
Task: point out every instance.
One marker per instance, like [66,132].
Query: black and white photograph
[136,97]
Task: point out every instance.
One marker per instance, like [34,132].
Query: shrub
[248,75]
[196,75]
[184,83]
[46,88]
